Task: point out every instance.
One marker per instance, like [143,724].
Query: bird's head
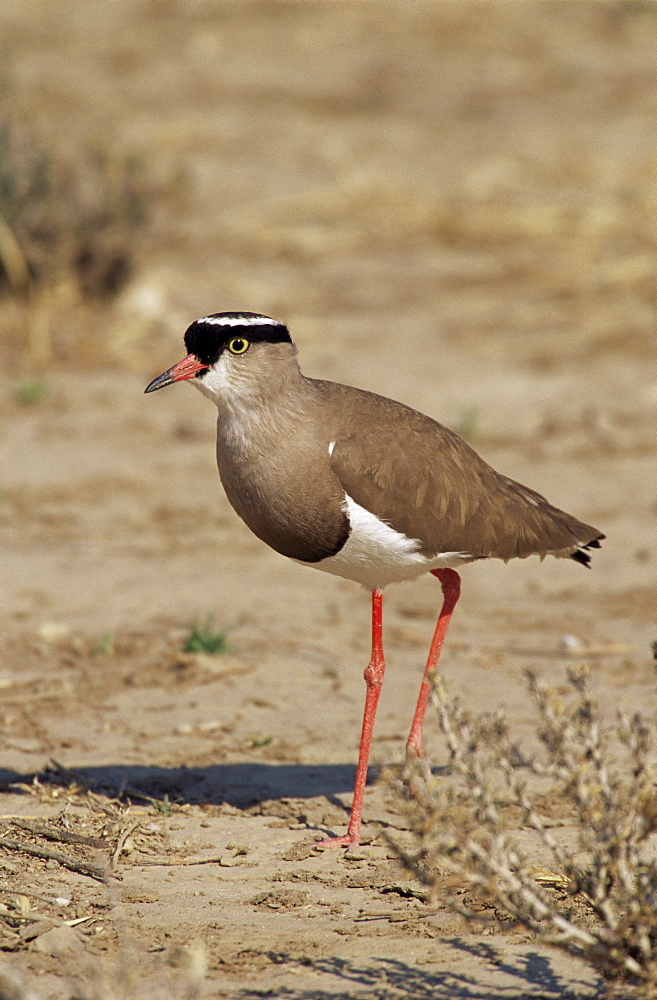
[228,354]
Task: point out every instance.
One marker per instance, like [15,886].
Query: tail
[528,524]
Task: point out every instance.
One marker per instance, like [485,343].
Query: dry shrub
[131,975]
[63,214]
[72,223]
[601,902]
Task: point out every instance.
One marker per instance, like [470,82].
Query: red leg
[374,680]
[451,584]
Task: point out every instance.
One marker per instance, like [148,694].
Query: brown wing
[426,482]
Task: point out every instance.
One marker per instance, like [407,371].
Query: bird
[360,486]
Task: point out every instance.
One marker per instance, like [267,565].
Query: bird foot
[351,843]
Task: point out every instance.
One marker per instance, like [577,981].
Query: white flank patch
[375,554]
[239,321]
[331,447]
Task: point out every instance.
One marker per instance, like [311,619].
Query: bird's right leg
[374,680]
[451,583]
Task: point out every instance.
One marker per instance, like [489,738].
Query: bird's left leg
[451,584]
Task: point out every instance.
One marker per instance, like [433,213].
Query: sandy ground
[417,196]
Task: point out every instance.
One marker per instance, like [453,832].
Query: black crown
[206,338]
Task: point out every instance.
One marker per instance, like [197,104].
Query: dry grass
[594,892]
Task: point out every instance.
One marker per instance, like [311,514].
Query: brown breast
[278,479]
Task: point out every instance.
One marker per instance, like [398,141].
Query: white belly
[376,555]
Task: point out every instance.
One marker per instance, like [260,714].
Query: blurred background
[429,173]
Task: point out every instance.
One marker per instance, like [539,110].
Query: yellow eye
[238,345]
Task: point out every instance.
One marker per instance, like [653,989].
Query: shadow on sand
[527,975]
[241,785]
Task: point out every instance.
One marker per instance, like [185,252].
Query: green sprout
[206,639]
[31,391]
[104,646]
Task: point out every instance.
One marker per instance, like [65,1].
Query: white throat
[227,386]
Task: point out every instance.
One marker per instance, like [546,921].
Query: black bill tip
[159,383]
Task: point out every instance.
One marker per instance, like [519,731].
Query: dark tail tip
[580,555]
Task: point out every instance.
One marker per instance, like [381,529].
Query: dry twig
[81,867]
